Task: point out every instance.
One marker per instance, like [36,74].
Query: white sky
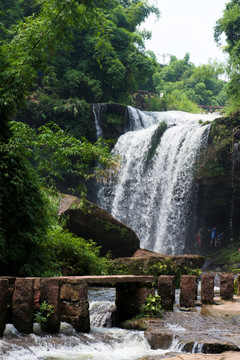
[185,26]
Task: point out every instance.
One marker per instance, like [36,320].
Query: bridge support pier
[207,288]
[226,286]
[22,305]
[166,290]
[130,296]
[3,304]
[75,305]
[188,288]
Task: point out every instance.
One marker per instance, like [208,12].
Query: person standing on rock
[213,235]
[219,239]
[199,237]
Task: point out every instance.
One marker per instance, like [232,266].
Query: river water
[106,343]
[100,344]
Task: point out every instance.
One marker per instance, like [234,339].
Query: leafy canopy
[228,25]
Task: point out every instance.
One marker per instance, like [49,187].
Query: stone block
[74,292]
[207,288]
[3,304]
[69,309]
[22,305]
[166,290]
[76,314]
[50,292]
[226,286]
[188,285]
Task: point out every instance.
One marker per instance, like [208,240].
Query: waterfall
[97,112]
[155,192]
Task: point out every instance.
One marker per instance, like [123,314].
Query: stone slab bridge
[20,298]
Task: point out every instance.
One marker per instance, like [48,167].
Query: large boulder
[92,222]
[188,260]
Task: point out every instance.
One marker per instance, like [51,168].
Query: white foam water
[99,344]
[155,194]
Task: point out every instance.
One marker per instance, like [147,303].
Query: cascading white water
[101,313]
[97,115]
[155,192]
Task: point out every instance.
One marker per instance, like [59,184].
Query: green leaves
[153,307]
[44,312]
[55,153]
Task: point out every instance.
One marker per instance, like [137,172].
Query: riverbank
[229,355]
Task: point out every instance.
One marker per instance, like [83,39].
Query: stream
[114,343]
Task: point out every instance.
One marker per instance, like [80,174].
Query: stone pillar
[11,284]
[238,285]
[207,288]
[50,292]
[130,296]
[188,284]
[75,305]
[3,304]
[166,290]
[22,305]
[226,286]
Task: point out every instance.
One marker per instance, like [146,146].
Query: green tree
[229,26]
[24,217]
[184,84]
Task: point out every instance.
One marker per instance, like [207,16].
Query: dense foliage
[183,86]
[99,65]
[26,50]
[228,26]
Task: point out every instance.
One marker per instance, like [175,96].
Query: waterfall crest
[155,192]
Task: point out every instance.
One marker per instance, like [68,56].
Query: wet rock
[139,325]
[159,340]
[188,347]
[166,290]
[218,348]
[209,348]
[97,224]
[226,286]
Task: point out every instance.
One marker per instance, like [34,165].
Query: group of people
[216,240]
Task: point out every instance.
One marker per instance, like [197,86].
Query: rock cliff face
[217,188]
[97,224]
[219,185]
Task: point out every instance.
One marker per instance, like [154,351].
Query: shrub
[153,307]
[41,316]
[71,255]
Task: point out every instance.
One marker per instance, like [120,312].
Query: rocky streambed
[211,329]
